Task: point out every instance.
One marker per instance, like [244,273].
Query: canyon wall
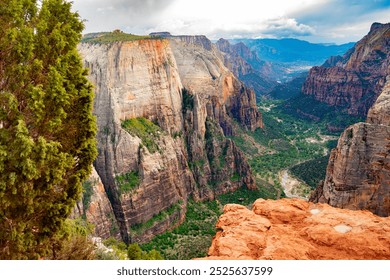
[353,81]
[358,172]
[164,108]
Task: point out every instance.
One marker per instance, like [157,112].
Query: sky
[318,21]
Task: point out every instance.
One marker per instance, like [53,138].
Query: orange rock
[289,229]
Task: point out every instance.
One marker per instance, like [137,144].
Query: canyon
[353,82]
[168,108]
[179,91]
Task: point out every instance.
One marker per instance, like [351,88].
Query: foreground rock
[290,229]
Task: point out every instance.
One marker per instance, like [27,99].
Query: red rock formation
[355,80]
[293,229]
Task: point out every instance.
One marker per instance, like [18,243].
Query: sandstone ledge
[289,229]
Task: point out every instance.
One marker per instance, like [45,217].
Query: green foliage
[72,242]
[311,171]
[146,130]
[236,177]
[128,181]
[112,242]
[47,130]
[87,193]
[138,228]
[118,250]
[193,237]
[332,119]
[112,37]
[188,100]
[134,252]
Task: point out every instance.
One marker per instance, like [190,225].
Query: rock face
[96,208]
[358,172]
[293,229]
[246,65]
[143,80]
[354,80]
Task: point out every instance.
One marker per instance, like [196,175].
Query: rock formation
[354,80]
[96,208]
[358,173]
[180,99]
[293,229]
[246,65]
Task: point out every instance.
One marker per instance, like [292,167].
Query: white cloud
[316,20]
[287,27]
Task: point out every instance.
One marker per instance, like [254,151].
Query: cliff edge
[293,229]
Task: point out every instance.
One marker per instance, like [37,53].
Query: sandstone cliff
[293,229]
[358,172]
[96,208]
[157,141]
[355,80]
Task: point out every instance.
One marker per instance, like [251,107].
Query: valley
[180,146]
[287,159]
[227,145]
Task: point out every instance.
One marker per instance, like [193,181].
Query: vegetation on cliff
[47,130]
[112,37]
[146,130]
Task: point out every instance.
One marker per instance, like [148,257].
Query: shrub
[128,181]
[146,130]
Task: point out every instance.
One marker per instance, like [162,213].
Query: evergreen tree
[134,252]
[47,130]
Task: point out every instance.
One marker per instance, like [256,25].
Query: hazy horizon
[316,21]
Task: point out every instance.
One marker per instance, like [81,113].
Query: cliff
[293,229]
[246,65]
[158,143]
[95,207]
[354,81]
[358,172]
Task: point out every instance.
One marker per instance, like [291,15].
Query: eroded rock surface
[289,229]
[355,80]
[358,172]
[192,156]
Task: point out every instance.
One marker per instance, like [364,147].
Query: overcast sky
[337,21]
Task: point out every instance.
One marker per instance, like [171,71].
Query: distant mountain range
[293,51]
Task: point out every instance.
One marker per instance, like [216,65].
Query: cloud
[343,20]
[314,20]
[287,27]
[135,15]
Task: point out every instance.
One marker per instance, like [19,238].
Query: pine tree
[47,130]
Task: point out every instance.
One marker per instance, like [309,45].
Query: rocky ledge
[289,229]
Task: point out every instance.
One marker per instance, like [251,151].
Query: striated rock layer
[192,158]
[293,229]
[355,80]
[358,172]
